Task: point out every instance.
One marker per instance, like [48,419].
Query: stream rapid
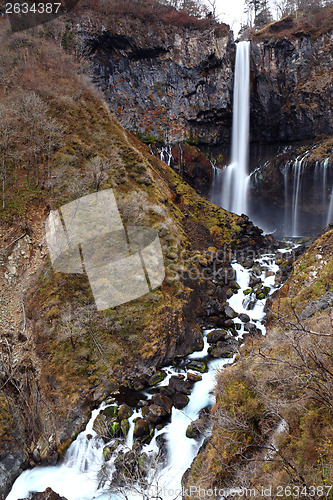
[85,475]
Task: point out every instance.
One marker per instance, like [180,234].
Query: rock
[229,312]
[198,366]
[163,401]
[36,455]
[141,428]
[179,385]
[192,432]
[156,413]
[224,349]
[110,412]
[124,412]
[216,335]
[48,494]
[245,318]
[124,426]
[234,285]
[180,400]
[256,270]
[193,377]
[157,377]
[229,323]
[229,293]
[142,403]
[251,328]
[53,458]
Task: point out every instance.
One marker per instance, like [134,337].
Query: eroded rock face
[171,83]
[291,86]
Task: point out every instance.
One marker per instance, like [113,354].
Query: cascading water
[297,199]
[330,210]
[234,177]
[85,475]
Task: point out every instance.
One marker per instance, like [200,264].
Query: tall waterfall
[235,179]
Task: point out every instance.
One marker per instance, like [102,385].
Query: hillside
[59,356]
[272,421]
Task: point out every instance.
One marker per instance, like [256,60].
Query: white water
[293,177]
[234,177]
[79,477]
[330,210]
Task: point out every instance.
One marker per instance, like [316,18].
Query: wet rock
[229,312]
[229,293]
[53,458]
[251,328]
[196,428]
[163,401]
[229,323]
[141,428]
[157,377]
[234,285]
[179,385]
[180,400]
[216,335]
[192,432]
[254,281]
[245,318]
[48,494]
[124,425]
[124,412]
[224,349]
[156,413]
[198,366]
[194,377]
[142,403]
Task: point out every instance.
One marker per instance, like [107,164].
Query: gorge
[124,402]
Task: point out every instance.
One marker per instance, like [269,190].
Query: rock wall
[162,81]
[291,87]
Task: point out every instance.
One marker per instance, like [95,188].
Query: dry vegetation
[58,142]
[273,415]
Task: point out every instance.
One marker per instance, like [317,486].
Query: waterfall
[330,210]
[235,176]
[297,176]
[291,213]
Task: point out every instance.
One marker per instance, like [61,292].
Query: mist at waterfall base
[303,203]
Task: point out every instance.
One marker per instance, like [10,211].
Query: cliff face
[176,83]
[291,84]
[164,81]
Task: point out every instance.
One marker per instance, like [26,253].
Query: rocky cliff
[292,81]
[170,82]
[175,83]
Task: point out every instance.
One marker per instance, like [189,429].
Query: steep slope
[272,422]
[59,356]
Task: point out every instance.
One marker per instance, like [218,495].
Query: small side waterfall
[297,199]
[330,210]
[234,177]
